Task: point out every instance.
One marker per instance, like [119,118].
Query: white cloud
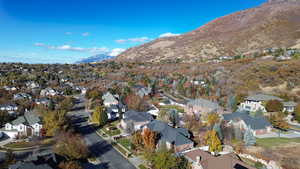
[116,51]
[75,49]
[68,33]
[121,40]
[86,34]
[141,39]
[168,34]
[138,39]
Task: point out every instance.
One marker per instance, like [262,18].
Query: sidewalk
[291,134]
[135,160]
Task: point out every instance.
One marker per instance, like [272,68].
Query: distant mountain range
[95,58]
[275,23]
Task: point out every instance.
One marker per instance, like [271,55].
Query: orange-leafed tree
[149,138]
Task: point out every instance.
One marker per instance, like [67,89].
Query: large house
[8,107]
[27,125]
[113,106]
[289,106]
[256,103]
[139,119]
[49,92]
[142,91]
[109,99]
[21,96]
[244,121]
[202,107]
[174,138]
[204,160]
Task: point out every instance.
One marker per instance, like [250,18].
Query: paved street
[110,158]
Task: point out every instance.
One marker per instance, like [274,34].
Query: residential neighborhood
[149,84]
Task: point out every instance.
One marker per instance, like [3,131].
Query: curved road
[109,157]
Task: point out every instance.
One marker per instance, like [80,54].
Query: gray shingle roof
[263,97]
[29,165]
[19,120]
[255,123]
[204,103]
[289,104]
[32,118]
[137,116]
[108,97]
[28,118]
[177,136]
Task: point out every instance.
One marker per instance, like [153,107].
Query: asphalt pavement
[101,149]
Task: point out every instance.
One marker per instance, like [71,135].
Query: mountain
[95,58]
[275,23]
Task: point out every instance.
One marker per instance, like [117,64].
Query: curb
[116,148]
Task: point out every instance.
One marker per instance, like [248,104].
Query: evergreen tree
[217,128]
[249,138]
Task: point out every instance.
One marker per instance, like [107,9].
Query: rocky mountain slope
[273,24]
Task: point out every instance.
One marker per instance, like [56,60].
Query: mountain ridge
[234,34]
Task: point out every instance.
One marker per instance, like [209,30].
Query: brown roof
[208,161]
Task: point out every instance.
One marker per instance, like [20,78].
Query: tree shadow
[104,165]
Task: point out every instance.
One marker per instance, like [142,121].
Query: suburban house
[27,125]
[204,160]
[110,99]
[21,96]
[289,106]
[49,92]
[256,103]
[142,91]
[174,138]
[9,88]
[113,106]
[244,121]
[9,107]
[44,101]
[202,107]
[139,119]
[32,85]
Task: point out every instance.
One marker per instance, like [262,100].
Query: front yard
[111,129]
[125,142]
[273,142]
[29,144]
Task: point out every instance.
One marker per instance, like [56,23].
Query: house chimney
[198,159]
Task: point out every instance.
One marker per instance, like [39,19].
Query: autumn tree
[274,106]
[135,102]
[71,146]
[165,159]
[70,165]
[99,116]
[212,119]
[279,122]
[149,138]
[66,104]
[297,113]
[55,121]
[212,140]
[137,139]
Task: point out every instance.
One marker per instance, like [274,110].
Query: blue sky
[65,31]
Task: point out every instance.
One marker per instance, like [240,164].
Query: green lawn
[111,132]
[273,142]
[141,166]
[178,108]
[125,142]
[22,144]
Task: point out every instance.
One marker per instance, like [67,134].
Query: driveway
[110,158]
